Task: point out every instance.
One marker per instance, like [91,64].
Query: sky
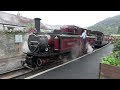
[79,18]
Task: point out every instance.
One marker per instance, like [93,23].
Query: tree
[117,46]
[118,32]
[30,26]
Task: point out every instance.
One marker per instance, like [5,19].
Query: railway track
[10,64]
[8,71]
[22,71]
[15,73]
[12,74]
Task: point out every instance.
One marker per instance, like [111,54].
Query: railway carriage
[101,39]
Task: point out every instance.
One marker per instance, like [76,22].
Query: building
[15,22]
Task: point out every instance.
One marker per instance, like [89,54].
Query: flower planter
[109,72]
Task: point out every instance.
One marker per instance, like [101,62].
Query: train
[101,39]
[64,42]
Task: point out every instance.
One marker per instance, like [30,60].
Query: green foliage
[114,58]
[30,26]
[111,60]
[107,26]
[116,46]
[118,30]
[13,32]
[116,54]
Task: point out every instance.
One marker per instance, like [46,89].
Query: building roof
[6,18]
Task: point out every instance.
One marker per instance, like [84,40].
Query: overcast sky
[79,18]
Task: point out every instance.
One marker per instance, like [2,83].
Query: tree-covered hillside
[107,26]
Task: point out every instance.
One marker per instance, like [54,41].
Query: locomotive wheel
[39,62]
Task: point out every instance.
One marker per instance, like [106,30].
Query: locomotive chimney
[37,24]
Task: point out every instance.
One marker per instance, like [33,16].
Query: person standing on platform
[84,40]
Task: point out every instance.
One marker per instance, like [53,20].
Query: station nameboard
[18,38]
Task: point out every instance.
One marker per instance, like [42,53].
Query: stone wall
[8,47]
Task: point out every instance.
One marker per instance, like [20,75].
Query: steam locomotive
[47,47]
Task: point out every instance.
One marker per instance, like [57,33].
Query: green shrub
[30,26]
[114,58]
[116,46]
[13,32]
[111,60]
[116,54]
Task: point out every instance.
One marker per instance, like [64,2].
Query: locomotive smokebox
[37,24]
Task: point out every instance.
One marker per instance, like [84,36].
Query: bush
[114,58]
[116,46]
[13,32]
[116,54]
[30,26]
[111,60]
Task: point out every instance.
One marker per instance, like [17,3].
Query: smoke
[25,48]
[75,52]
[89,48]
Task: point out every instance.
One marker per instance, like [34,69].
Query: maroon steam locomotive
[46,47]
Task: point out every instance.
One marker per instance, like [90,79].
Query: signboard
[18,38]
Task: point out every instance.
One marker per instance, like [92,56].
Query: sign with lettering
[18,38]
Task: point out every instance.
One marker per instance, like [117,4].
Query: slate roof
[12,19]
